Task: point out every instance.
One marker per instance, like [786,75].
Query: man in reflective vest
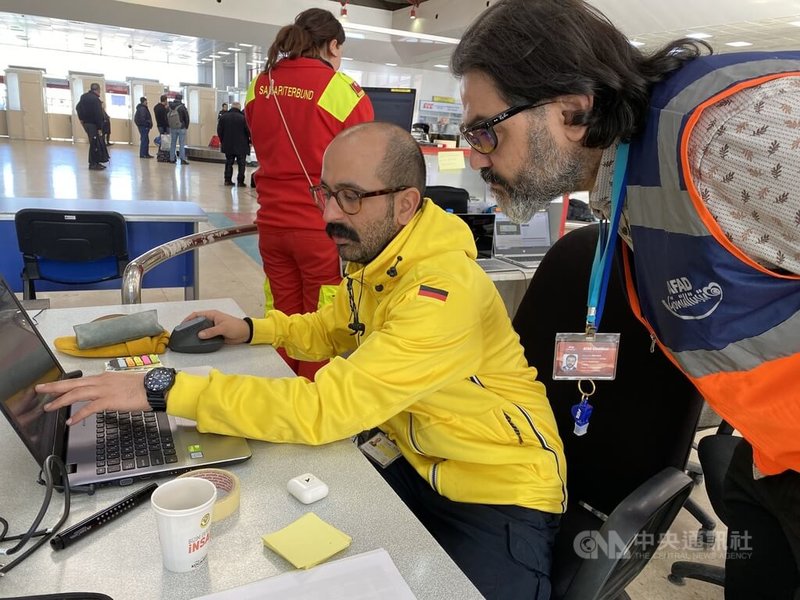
[711,212]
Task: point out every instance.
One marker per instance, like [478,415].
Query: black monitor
[393,105]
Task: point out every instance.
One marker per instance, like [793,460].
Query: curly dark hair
[539,49]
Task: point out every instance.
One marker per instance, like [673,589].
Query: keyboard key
[127,465]
[171,458]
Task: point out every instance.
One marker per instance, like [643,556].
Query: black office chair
[70,247]
[452,199]
[715,453]
[630,464]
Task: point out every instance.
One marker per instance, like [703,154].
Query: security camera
[130,45]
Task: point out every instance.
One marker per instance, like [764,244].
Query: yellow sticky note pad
[307,542]
[451,160]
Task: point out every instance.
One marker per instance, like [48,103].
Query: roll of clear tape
[228,490]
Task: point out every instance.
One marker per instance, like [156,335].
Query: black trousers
[97,148]
[505,551]
[763,560]
[240,161]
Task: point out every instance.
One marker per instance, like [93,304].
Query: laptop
[104,449]
[482,226]
[522,244]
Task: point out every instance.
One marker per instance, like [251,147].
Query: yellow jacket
[438,368]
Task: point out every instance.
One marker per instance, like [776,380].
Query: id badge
[380,449]
[578,356]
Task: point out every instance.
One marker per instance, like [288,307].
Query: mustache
[341,231]
[490,176]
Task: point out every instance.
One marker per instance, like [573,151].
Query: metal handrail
[134,272]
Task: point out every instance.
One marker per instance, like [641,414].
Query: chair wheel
[676,580]
[706,538]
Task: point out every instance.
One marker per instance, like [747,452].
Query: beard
[370,242]
[548,172]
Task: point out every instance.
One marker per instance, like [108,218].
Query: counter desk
[123,559]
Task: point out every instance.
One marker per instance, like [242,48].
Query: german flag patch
[431,292]
[357,89]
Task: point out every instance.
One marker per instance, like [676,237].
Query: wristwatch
[157,383]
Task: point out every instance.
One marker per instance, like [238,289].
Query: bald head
[390,151]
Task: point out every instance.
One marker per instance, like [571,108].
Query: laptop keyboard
[133,440]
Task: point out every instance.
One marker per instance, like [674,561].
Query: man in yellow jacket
[422,347]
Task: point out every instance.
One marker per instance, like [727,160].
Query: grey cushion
[117,329]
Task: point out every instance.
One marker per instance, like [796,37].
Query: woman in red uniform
[294,109]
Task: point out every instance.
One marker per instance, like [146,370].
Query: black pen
[97,520]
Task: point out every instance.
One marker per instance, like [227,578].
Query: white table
[123,559]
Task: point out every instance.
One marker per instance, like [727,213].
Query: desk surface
[132,210]
[123,559]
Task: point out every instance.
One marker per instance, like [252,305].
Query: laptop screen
[26,360]
[482,227]
[532,237]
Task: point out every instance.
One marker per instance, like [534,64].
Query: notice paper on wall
[451,160]
[361,577]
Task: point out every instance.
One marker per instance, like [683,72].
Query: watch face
[159,380]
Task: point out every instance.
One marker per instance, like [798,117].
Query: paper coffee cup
[183,514]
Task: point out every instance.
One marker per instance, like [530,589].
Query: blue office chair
[625,477]
[70,247]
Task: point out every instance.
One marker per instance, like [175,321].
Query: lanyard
[606,242]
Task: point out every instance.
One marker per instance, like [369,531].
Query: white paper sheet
[361,577]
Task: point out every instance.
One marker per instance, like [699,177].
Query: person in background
[294,109]
[90,113]
[557,100]
[144,122]
[469,440]
[234,137]
[160,112]
[106,126]
[222,111]
[178,121]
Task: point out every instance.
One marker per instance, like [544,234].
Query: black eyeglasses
[481,135]
[349,200]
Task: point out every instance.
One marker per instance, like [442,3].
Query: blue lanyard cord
[606,243]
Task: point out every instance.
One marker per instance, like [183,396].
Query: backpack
[174,118]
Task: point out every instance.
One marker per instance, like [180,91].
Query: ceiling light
[343,11]
[399,32]
[346,58]
[223,53]
[390,64]
[413,14]
[356,36]
[441,66]
[235,49]
[738,44]
[636,44]
[699,36]
[245,45]
[795,23]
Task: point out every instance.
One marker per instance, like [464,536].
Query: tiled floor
[56,169]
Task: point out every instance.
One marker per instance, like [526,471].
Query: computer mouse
[184,337]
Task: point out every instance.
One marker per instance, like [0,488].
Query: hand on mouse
[233,329]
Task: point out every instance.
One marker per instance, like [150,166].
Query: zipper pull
[652,343]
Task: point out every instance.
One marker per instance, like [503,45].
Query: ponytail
[312,30]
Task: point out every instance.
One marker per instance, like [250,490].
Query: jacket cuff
[263,331]
[182,398]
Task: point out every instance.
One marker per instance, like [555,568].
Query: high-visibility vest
[732,325]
